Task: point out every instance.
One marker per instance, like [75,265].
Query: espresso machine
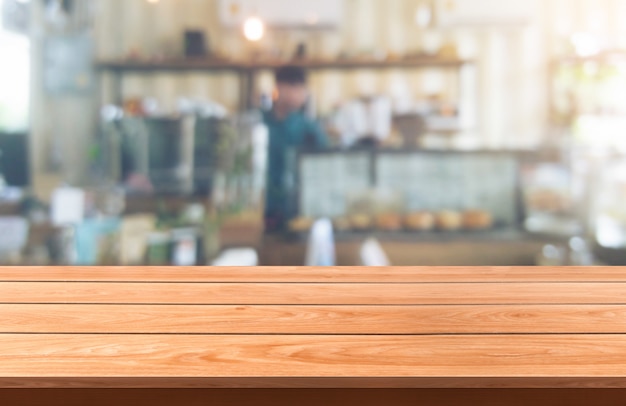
[181,155]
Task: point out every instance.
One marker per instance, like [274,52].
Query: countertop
[453,327]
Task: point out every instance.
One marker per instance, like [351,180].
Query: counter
[488,248]
[488,335]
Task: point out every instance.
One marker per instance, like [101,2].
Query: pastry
[301,224]
[477,220]
[420,221]
[389,222]
[449,220]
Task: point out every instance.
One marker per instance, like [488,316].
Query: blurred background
[457,132]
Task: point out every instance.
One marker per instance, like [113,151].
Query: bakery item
[389,222]
[548,201]
[448,220]
[301,224]
[420,221]
[360,222]
[477,220]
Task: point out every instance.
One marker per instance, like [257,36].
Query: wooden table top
[313,327]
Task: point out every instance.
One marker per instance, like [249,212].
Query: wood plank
[316,275]
[244,383]
[313,294]
[313,64]
[112,359]
[172,65]
[308,320]
[314,397]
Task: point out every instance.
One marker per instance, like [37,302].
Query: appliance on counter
[364,118]
[159,149]
[183,155]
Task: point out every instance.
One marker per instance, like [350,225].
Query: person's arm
[318,138]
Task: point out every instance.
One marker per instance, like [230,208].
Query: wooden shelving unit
[260,64]
[247,69]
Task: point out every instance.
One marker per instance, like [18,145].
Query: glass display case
[392,190]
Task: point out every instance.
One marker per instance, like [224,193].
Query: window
[14,77]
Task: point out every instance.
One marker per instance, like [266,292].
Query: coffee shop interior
[313,132]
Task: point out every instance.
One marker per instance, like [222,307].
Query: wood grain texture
[313,294]
[316,275]
[312,327]
[313,397]
[441,357]
[300,383]
[314,64]
[307,320]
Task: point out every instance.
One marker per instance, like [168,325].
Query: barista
[290,130]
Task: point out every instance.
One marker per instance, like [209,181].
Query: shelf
[312,64]
[169,65]
[424,62]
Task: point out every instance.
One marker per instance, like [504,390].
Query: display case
[462,191]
